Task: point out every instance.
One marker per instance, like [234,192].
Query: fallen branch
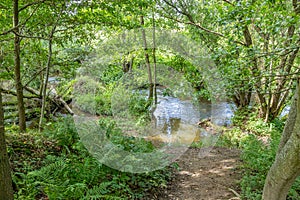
[235,193]
[11,92]
[52,97]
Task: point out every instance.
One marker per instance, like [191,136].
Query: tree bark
[6,190]
[17,69]
[150,97]
[44,90]
[286,167]
[154,60]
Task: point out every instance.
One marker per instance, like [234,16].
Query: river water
[175,120]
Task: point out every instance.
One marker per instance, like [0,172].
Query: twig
[234,192]
[228,2]
[34,76]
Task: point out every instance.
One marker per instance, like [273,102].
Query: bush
[138,105]
[127,143]
[111,74]
[65,134]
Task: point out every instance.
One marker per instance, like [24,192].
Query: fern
[49,171]
[100,192]
[99,189]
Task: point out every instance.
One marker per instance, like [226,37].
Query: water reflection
[175,121]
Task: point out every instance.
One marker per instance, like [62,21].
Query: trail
[214,177]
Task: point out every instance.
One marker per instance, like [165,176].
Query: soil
[213,177]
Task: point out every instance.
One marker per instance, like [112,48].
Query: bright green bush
[139,106]
[64,133]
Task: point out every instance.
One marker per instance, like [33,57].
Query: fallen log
[5,91]
[52,96]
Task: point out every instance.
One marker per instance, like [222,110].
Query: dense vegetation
[55,164]
[259,142]
[91,53]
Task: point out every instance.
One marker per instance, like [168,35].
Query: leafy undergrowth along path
[214,177]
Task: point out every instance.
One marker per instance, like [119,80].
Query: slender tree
[154,59]
[17,68]
[44,88]
[147,57]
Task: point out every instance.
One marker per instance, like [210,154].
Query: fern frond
[100,192]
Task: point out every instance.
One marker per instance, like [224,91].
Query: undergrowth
[55,165]
[259,142]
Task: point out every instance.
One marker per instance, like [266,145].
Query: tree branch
[192,22]
[31,37]
[228,2]
[31,4]
[34,76]
[19,24]
[5,91]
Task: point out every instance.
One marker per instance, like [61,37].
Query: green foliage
[167,92]
[234,137]
[111,74]
[191,73]
[241,115]
[197,144]
[67,171]
[247,119]
[66,88]
[65,134]
[90,96]
[258,153]
[259,127]
[127,143]
[138,105]
[258,159]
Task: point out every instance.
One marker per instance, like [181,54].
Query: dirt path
[214,177]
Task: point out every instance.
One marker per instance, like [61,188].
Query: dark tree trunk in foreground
[286,167]
[6,190]
[19,87]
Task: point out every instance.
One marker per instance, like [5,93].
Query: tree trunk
[44,90]
[127,65]
[154,60]
[242,99]
[150,97]
[17,69]
[286,167]
[6,190]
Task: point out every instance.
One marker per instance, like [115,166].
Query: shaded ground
[214,177]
